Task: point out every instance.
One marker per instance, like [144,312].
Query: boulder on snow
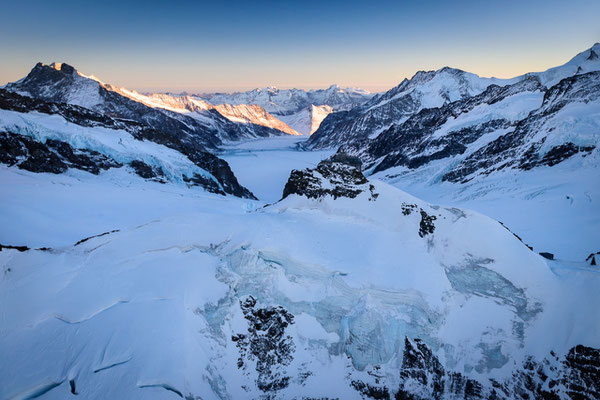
[547,255]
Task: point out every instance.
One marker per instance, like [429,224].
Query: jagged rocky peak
[54,69]
[338,176]
[64,68]
[42,73]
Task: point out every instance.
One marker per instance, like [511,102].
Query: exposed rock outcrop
[330,178]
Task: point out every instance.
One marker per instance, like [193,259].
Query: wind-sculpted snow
[311,297]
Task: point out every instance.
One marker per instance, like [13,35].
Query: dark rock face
[202,181]
[547,255]
[52,156]
[95,236]
[53,160]
[266,343]
[330,178]
[554,156]
[148,172]
[582,373]
[426,225]
[371,391]
[422,377]
[345,158]
[18,248]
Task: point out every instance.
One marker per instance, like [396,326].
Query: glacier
[150,309]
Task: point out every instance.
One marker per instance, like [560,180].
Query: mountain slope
[431,89]
[424,90]
[289,101]
[252,115]
[307,120]
[40,136]
[503,127]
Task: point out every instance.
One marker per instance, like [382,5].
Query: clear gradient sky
[238,45]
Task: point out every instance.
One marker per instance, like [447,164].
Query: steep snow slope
[52,138]
[307,120]
[554,209]
[309,297]
[430,89]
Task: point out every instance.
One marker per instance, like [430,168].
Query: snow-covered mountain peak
[431,89]
[586,61]
[333,88]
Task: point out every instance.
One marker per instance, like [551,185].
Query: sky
[226,46]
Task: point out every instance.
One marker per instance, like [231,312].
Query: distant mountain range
[303,110]
[198,119]
[460,123]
